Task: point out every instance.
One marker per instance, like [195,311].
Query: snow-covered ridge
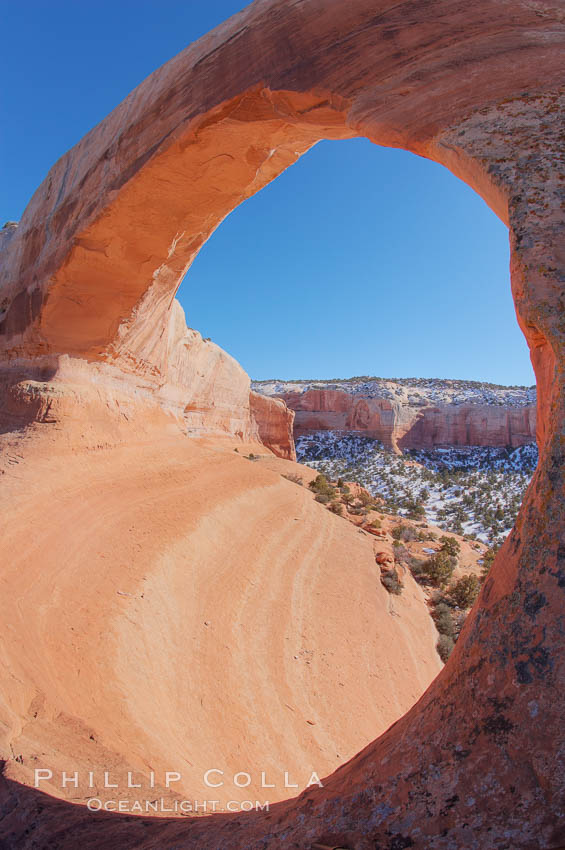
[410,391]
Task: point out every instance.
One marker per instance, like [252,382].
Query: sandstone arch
[87,284]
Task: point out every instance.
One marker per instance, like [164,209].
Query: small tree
[322,486]
[416,511]
[439,568]
[450,545]
[465,591]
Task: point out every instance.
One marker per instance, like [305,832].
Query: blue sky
[357,260]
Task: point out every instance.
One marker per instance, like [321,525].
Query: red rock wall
[470,425]
[274,423]
[402,426]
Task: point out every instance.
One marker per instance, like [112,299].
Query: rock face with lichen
[87,282]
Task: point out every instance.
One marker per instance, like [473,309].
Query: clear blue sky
[357,260]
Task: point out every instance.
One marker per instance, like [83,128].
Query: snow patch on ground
[474,490]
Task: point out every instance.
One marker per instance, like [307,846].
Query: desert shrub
[444,647]
[415,511]
[488,558]
[321,485]
[465,591]
[323,498]
[365,499]
[415,566]
[356,510]
[391,581]
[296,479]
[450,545]
[439,568]
[376,523]
[443,619]
[336,508]
[401,553]
[406,533]
[251,456]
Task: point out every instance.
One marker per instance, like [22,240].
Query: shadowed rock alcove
[88,281]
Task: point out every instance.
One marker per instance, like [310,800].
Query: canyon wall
[403,426]
[274,423]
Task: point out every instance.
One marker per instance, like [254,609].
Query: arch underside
[88,282]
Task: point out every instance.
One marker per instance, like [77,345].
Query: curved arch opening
[352,261]
[369,261]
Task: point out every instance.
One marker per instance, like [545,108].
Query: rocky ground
[473,491]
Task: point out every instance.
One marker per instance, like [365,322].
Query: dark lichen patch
[498,726]
[538,661]
[560,576]
[500,704]
[400,842]
[533,603]
[523,675]
[448,805]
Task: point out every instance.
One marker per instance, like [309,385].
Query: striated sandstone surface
[178,607]
[403,423]
[87,283]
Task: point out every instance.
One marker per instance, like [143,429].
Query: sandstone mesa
[409,419]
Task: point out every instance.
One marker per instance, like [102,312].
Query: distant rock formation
[274,422]
[410,422]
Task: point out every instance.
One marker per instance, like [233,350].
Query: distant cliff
[412,413]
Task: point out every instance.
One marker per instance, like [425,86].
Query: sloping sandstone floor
[169,605]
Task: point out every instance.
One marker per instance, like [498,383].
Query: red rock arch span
[89,277]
